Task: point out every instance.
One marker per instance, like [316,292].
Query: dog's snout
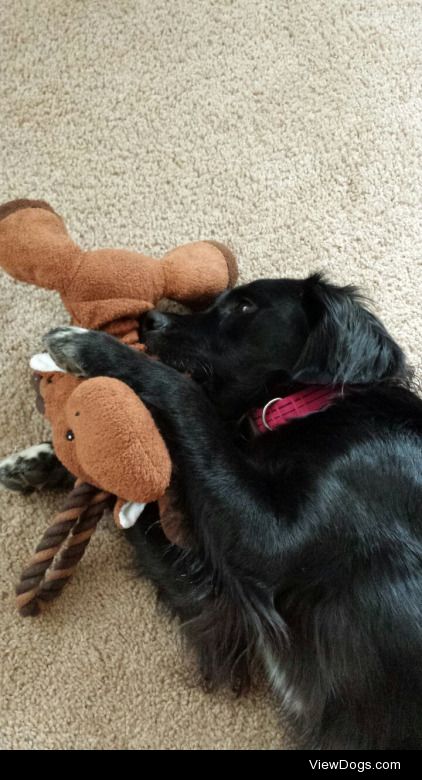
[155,320]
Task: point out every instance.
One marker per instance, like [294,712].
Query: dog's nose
[155,320]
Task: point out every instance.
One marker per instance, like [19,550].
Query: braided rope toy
[61,548]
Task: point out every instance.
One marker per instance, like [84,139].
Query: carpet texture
[292,130]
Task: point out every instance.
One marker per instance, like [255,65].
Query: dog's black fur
[305,543]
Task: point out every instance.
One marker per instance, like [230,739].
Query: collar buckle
[265,410]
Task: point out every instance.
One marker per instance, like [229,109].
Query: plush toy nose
[155,320]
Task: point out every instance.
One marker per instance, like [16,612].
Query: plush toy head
[105,435]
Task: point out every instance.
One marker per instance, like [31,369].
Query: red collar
[280,411]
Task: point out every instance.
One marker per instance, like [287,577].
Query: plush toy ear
[347,344]
[126,513]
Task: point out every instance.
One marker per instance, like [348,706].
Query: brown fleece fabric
[291,130]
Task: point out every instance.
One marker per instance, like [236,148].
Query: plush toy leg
[197,272]
[35,246]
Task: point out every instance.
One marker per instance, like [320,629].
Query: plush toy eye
[70,435]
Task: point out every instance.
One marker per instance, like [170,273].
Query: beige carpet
[291,129]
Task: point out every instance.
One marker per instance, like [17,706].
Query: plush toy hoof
[231,261]
[22,203]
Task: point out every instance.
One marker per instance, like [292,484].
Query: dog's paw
[34,468]
[68,347]
[88,353]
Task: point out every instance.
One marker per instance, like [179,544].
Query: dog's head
[275,334]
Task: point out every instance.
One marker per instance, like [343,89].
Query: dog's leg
[228,616]
[166,565]
[221,487]
[34,468]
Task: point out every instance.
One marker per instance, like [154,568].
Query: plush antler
[61,548]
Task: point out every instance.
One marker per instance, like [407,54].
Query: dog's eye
[245,306]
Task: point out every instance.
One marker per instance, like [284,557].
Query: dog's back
[351,591]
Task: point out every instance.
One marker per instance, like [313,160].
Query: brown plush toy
[102,432]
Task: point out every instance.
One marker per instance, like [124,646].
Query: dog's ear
[347,344]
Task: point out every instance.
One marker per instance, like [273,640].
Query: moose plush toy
[102,432]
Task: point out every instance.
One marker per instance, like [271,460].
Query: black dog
[306,541]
